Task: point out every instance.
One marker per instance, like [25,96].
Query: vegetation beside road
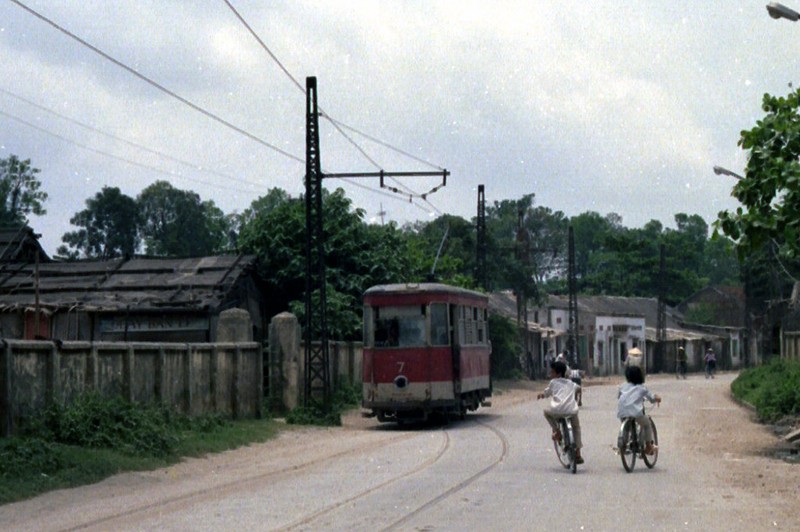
[94,438]
[773,389]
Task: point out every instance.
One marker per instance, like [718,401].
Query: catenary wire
[191,165]
[158,86]
[172,94]
[111,155]
[336,124]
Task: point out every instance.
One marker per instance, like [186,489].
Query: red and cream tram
[426,351]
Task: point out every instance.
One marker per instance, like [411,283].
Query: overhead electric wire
[191,165]
[157,85]
[111,155]
[164,90]
[337,124]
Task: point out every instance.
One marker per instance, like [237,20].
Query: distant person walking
[681,363]
[635,358]
[711,363]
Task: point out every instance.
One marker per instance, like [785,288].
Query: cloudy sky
[609,106]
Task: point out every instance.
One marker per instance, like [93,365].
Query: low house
[608,326]
[139,299]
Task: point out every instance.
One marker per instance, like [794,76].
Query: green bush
[774,389]
[506,346]
[344,398]
[100,423]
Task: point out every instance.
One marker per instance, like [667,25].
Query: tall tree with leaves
[357,256]
[109,227]
[178,223]
[770,191]
[20,191]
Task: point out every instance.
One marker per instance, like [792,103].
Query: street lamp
[777,11]
[724,171]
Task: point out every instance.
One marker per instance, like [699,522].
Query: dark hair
[559,367]
[634,375]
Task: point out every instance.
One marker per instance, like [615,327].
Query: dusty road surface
[494,471]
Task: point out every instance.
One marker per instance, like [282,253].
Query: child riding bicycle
[561,391]
[631,398]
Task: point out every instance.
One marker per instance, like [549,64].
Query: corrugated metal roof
[139,283]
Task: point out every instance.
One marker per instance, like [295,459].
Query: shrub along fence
[194,378]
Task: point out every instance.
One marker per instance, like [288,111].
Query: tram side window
[439,330]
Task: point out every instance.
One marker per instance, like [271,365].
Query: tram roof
[422,288]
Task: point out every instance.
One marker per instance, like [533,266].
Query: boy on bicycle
[561,391]
[631,398]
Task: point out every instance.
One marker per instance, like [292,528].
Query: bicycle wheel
[627,444]
[562,447]
[569,445]
[650,459]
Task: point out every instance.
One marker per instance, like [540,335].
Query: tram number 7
[400,366]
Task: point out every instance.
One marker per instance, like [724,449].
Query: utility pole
[572,338]
[661,325]
[317,359]
[481,275]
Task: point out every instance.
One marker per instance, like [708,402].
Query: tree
[20,193]
[109,227]
[357,255]
[770,191]
[169,216]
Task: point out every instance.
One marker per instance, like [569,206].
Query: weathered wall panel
[193,378]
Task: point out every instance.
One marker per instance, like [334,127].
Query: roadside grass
[95,438]
[773,389]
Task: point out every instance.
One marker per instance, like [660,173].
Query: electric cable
[157,85]
[191,165]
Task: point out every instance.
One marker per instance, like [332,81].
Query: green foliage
[701,313]
[96,422]
[93,438]
[357,256]
[109,227]
[20,193]
[770,192]
[345,397]
[774,389]
[506,347]
[169,215]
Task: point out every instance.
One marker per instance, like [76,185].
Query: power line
[157,85]
[111,155]
[337,124]
[162,89]
[191,165]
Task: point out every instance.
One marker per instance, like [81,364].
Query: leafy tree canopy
[770,191]
[20,191]
[108,227]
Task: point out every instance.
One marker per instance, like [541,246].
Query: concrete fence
[194,378]
[287,362]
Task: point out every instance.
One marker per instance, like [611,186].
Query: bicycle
[630,444]
[565,447]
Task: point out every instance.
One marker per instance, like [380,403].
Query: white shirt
[562,397]
[631,400]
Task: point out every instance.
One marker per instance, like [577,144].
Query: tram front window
[398,327]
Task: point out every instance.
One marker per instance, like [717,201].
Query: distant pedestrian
[711,363]
[635,358]
[681,363]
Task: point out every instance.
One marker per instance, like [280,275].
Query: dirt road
[494,471]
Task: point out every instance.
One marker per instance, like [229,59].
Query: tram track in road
[217,490]
[445,445]
[396,525]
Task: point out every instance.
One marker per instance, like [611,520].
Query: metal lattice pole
[317,373]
